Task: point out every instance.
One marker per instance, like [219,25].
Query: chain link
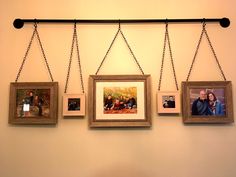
[70,61]
[167,40]
[74,40]
[25,56]
[43,52]
[123,36]
[172,62]
[204,31]
[27,51]
[79,62]
[162,61]
[214,53]
[135,59]
[196,52]
[108,51]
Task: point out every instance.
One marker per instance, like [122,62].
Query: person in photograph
[171,102]
[131,102]
[31,97]
[126,101]
[38,101]
[165,104]
[72,105]
[22,108]
[122,102]
[200,105]
[27,102]
[108,104]
[216,107]
[116,105]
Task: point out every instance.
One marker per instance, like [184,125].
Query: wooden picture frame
[119,101]
[207,102]
[168,102]
[74,105]
[33,103]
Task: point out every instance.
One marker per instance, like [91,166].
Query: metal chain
[135,59]
[167,40]
[162,61]
[25,56]
[43,52]
[74,40]
[112,42]
[123,36]
[27,51]
[78,55]
[172,60]
[196,52]
[212,49]
[70,60]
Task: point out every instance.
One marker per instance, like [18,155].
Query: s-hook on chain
[27,51]
[204,31]
[126,42]
[167,40]
[74,40]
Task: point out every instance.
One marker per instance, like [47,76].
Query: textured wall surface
[71,149]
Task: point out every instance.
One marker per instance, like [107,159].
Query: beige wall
[71,149]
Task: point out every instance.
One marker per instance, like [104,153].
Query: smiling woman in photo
[216,107]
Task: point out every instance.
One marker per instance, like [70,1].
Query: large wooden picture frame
[119,101]
[33,103]
[207,102]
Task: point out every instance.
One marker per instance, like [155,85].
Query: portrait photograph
[74,104]
[33,103]
[168,102]
[207,102]
[119,101]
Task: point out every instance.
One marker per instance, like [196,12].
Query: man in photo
[200,105]
[171,102]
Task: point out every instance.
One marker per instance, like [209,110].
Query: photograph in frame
[33,103]
[119,101]
[168,102]
[207,102]
[74,105]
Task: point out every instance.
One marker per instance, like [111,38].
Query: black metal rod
[224,22]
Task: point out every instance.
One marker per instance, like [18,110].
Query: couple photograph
[73,104]
[168,101]
[207,102]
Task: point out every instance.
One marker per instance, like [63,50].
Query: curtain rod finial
[18,23]
[224,22]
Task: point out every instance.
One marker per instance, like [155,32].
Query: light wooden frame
[52,117]
[96,121]
[160,107]
[228,117]
[80,112]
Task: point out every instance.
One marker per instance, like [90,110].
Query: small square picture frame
[73,105]
[168,102]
